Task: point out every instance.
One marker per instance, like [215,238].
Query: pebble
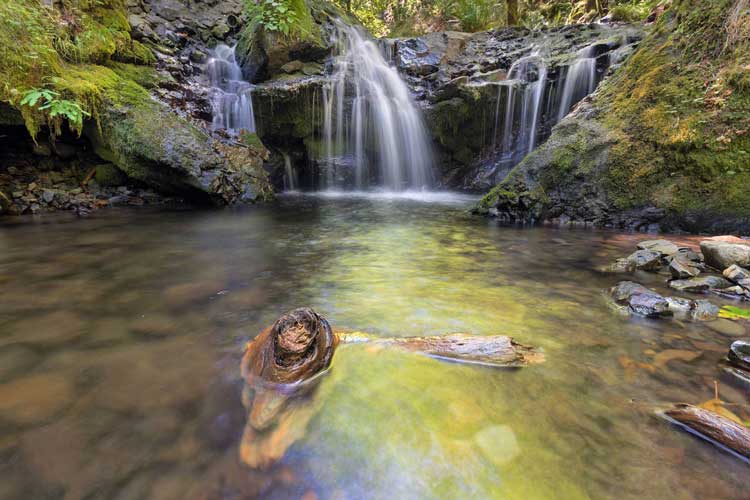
[16,359]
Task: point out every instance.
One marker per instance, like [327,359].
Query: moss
[42,46]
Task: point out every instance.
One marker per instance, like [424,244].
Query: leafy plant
[273,15]
[55,110]
[732,312]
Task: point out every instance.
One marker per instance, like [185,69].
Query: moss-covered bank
[82,52]
[668,134]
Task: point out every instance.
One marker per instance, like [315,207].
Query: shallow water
[120,338]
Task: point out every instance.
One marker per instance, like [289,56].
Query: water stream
[373,133]
[231,96]
[120,342]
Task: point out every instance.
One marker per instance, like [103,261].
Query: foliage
[55,109]
[733,312]
[289,17]
[410,17]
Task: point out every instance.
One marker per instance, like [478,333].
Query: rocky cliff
[663,144]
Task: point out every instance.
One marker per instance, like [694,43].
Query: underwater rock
[712,427]
[35,399]
[720,254]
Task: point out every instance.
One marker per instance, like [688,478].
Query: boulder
[699,285]
[721,255]
[664,247]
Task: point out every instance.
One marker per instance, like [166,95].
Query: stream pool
[121,334]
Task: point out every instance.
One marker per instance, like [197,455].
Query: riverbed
[121,334]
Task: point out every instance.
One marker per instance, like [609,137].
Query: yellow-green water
[120,338]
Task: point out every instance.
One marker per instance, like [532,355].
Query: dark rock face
[700,284]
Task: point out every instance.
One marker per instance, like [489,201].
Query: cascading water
[231,98]
[290,176]
[580,81]
[532,105]
[525,88]
[372,129]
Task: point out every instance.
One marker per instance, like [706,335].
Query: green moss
[46,47]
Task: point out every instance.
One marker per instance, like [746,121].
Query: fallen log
[714,428]
[283,364]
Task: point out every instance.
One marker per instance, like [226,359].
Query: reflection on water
[120,339]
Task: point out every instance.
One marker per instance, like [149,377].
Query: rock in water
[738,275]
[646,260]
[721,255]
[664,247]
[699,285]
[681,267]
[640,300]
[704,310]
[739,354]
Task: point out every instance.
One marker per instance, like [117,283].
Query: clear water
[120,337]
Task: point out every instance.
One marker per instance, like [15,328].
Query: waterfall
[372,128]
[231,98]
[290,176]
[580,81]
[527,81]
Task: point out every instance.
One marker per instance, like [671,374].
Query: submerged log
[715,428]
[281,368]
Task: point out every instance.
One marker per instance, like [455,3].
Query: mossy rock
[668,130]
[108,175]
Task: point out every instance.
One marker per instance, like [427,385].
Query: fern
[54,109]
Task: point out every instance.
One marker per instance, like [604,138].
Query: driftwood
[283,364]
[720,431]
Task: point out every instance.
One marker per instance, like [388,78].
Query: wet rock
[664,247]
[739,354]
[646,260]
[649,305]
[721,255]
[35,399]
[738,275]
[293,66]
[498,444]
[680,306]
[700,284]
[727,327]
[704,310]
[682,267]
[640,300]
